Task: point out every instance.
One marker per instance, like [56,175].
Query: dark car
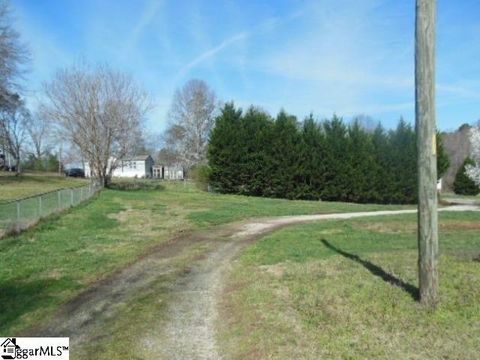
[75,172]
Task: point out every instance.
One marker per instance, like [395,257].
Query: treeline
[252,153]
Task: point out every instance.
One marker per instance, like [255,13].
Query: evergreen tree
[284,159]
[256,134]
[253,154]
[362,165]
[337,161]
[312,161]
[382,179]
[443,162]
[404,164]
[225,150]
[463,185]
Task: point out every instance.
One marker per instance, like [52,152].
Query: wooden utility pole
[426,146]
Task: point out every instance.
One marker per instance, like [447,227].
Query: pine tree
[225,150]
[382,179]
[337,161]
[404,165]
[253,154]
[312,161]
[362,165]
[256,135]
[284,158]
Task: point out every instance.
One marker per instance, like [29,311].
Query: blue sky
[322,56]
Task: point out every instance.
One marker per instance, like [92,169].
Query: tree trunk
[426,146]
[17,166]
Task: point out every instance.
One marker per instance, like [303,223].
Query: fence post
[71,197]
[40,206]
[18,211]
[59,201]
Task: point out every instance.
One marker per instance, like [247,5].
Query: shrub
[200,174]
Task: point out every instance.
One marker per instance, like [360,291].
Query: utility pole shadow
[413,291]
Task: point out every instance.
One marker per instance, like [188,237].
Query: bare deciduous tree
[38,129]
[13,116]
[98,110]
[13,54]
[192,116]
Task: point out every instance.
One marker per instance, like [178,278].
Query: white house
[139,166]
[6,160]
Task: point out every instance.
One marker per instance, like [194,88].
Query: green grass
[213,209]
[291,295]
[449,196]
[347,290]
[44,267]
[17,187]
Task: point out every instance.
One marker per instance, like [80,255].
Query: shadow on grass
[377,271]
[20,298]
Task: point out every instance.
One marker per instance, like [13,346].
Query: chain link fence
[17,215]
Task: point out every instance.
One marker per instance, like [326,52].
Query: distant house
[139,166]
[6,160]
[172,172]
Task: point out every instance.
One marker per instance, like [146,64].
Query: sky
[349,57]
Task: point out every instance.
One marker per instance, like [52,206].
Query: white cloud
[267,25]
[344,56]
[210,53]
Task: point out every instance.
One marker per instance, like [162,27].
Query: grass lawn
[347,290]
[17,187]
[44,267]
[452,196]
